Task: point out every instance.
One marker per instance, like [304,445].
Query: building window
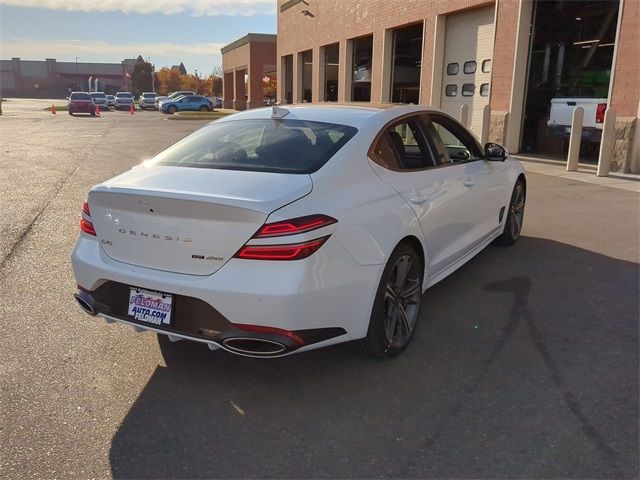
[361,69]
[331,59]
[307,68]
[468,89]
[484,90]
[451,90]
[288,79]
[469,67]
[406,64]
[486,66]
[452,69]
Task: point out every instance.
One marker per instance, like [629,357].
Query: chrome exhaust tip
[86,302]
[254,346]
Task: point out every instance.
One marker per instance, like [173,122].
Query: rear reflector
[602,107]
[273,330]
[290,251]
[294,226]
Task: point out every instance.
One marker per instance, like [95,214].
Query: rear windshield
[80,96]
[98,95]
[149,95]
[123,95]
[265,145]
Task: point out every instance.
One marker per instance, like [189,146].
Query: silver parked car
[124,101]
[99,100]
[147,101]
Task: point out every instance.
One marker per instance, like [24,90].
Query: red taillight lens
[294,226]
[87,227]
[291,251]
[85,223]
[277,331]
[602,107]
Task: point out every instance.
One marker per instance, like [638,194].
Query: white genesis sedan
[275,231]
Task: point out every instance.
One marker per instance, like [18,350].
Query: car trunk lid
[186,220]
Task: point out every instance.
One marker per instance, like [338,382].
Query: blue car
[187,102]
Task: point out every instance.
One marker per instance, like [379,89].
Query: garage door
[467,64]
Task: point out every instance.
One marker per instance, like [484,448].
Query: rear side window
[260,145]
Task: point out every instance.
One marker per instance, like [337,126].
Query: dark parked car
[81,102]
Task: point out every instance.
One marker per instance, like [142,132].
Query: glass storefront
[361,69]
[331,59]
[406,64]
[307,67]
[570,58]
[288,78]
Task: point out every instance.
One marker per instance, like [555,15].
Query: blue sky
[166,31]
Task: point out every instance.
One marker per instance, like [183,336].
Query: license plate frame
[150,306]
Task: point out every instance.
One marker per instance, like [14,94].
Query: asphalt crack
[26,231]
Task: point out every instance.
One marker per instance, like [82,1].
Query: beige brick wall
[340,20]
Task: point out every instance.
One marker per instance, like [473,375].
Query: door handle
[468,182]
[418,199]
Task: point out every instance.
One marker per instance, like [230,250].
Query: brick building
[512,55]
[245,62]
[50,78]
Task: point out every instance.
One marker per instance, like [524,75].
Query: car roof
[338,113]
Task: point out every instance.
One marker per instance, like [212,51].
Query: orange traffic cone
[132,110]
[98,110]
[53,109]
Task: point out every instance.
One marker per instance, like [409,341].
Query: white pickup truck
[562,110]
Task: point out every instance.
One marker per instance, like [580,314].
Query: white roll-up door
[466,73]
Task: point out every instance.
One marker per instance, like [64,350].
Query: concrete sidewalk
[585,173]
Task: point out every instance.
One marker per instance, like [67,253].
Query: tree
[216,84]
[168,80]
[141,78]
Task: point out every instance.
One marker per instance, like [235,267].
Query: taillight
[602,107]
[85,221]
[284,228]
[294,226]
[287,251]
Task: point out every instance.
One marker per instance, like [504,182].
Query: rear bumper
[589,134]
[324,299]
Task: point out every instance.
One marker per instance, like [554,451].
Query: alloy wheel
[516,211]
[402,301]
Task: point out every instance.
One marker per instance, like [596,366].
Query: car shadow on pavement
[525,364]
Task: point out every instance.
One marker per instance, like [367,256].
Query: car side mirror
[494,152]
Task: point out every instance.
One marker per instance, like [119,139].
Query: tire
[204,108]
[396,299]
[70,113]
[515,215]
[171,110]
[93,114]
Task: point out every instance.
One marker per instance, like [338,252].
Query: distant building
[50,78]
[181,68]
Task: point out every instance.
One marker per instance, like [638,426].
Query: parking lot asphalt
[524,364]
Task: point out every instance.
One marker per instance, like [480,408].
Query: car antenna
[277,112]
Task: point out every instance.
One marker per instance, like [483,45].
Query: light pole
[196,70]
[77,70]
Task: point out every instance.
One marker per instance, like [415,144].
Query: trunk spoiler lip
[258,206]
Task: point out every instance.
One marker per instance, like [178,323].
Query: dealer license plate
[150,307]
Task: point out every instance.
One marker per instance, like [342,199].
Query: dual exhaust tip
[86,302]
[241,345]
